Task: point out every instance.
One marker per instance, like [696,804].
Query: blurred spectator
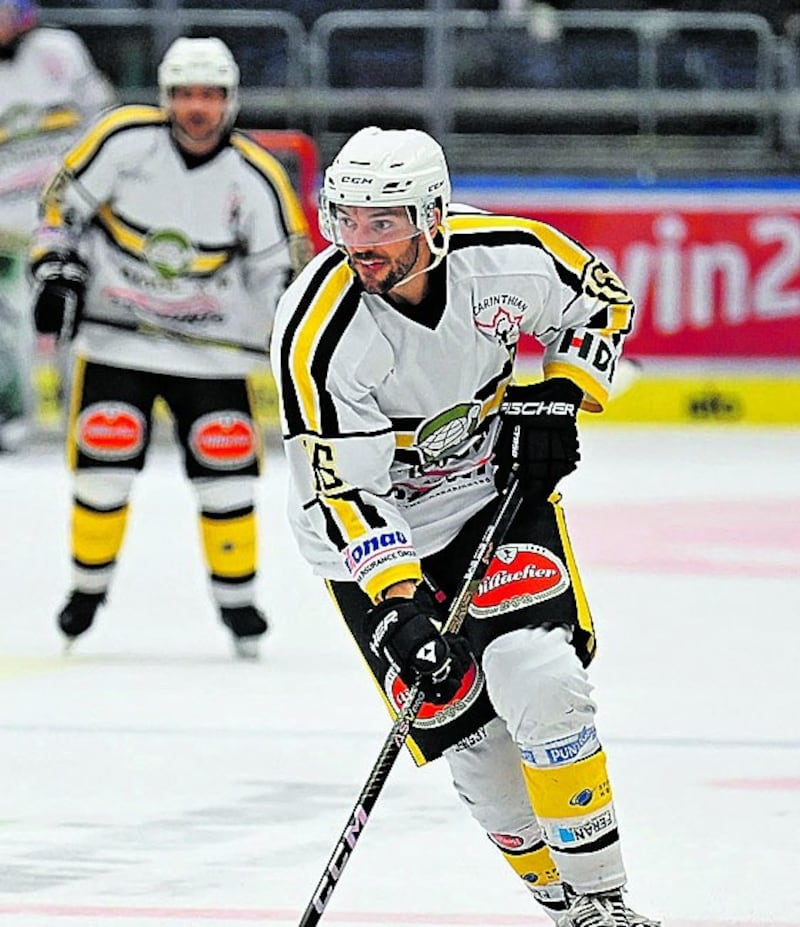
[49,88]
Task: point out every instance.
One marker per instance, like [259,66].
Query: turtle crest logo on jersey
[169,252]
[20,121]
[442,435]
[518,576]
[432,715]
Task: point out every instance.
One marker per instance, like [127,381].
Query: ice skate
[247,624]
[78,613]
[605,909]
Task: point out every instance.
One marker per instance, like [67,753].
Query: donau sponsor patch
[519,575]
[225,440]
[110,431]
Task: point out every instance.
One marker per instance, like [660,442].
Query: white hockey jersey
[195,251]
[49,91]
[389,414]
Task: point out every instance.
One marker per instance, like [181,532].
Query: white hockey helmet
[204,62]
[388,167]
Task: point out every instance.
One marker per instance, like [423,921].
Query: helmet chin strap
[438,252]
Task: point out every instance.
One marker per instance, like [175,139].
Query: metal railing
[497,89]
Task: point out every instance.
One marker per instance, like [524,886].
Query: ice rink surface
[150,779]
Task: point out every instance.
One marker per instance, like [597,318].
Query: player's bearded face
[381,269]
[198,116]
[382,244]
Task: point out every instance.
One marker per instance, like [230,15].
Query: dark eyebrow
[385,213]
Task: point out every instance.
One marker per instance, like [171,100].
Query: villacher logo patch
[519,575]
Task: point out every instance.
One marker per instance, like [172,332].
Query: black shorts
[111,420]
[532,581]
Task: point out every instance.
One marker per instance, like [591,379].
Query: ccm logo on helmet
[356,180]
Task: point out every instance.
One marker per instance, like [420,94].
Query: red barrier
[298,153]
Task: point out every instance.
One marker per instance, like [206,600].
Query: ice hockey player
[49,90]
[395,353]
[165,242]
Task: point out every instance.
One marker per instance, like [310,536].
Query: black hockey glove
[404,631]
[538,431]
[60,293]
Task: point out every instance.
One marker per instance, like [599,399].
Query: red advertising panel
[715,271]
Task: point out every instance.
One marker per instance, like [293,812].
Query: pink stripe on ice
[720,538]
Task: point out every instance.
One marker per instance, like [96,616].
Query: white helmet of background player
[389,167]
[200,63]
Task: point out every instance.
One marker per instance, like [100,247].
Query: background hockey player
[395,353]
[49,90]
[165,243]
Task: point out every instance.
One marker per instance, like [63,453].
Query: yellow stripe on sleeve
[307,336]
[275,172]
[348,516]
[124,116]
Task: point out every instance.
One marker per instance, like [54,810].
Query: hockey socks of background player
[230,546]
[98,523]
[99,520]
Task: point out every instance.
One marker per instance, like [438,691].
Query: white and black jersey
[49,91]
[390,414]
[199,247]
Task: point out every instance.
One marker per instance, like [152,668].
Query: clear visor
[365,226]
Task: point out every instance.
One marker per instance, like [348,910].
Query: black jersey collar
[429,312]
[191,161]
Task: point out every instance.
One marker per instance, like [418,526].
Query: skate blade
[246,648]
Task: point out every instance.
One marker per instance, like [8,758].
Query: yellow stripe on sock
[97,536]
[568,791]
[534,868]
[229,545]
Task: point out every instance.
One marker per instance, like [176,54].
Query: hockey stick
[510,499]
[147,328]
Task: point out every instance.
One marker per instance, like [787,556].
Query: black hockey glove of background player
[404,630]
[538,430]
[60,293]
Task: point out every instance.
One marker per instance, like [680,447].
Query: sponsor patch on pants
[518,576]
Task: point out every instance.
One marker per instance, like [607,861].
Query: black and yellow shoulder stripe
[324,311]
[274,173]
[81,155]
[568,255]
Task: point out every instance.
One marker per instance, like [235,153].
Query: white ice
[150,779]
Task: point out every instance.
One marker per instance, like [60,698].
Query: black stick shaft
[506,510]
[154,330]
